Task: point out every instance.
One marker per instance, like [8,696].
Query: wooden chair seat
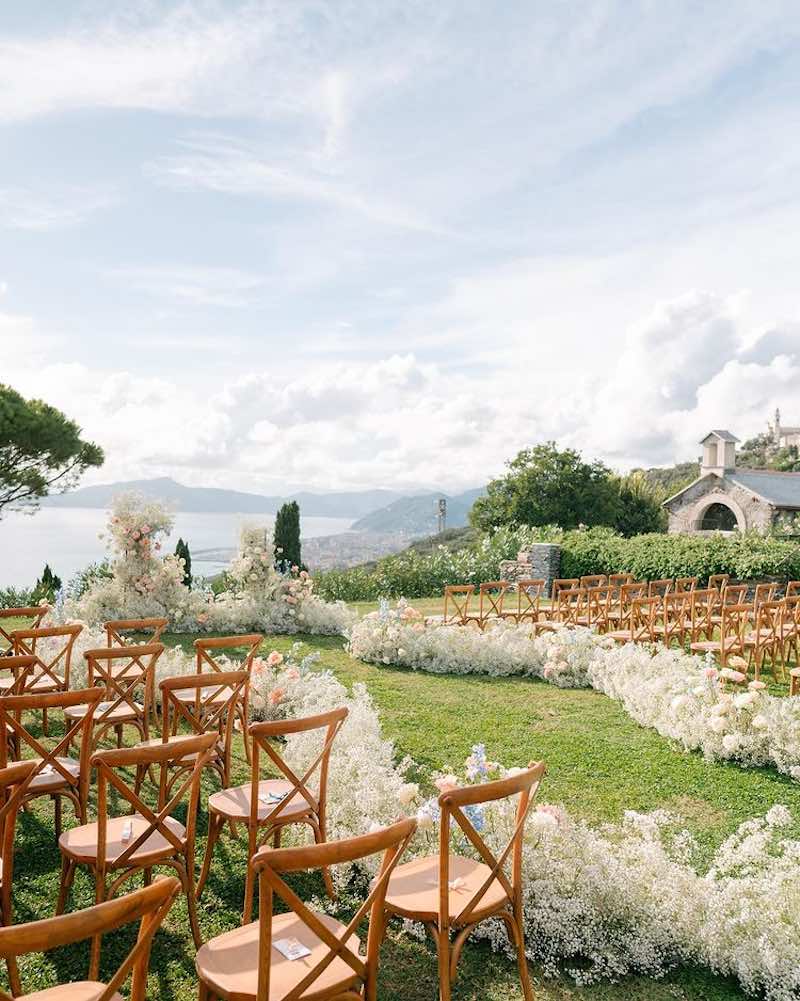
[122,713]
[413,890]
[176,739]
[228,964]
[47,781]
[83,990]
[706,646]
[234,803]
[213,694]
[80,843]
[44,683]
[619,635]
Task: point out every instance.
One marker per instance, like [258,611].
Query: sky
[339,245]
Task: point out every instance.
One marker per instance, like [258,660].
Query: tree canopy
[287,535]
[548,486]
[40,450]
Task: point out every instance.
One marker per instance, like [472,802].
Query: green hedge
[598,550]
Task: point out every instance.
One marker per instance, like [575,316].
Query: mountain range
[417,516]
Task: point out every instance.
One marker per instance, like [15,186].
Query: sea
[68,539]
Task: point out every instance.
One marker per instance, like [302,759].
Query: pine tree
[182,550]
[287,536]
[47,586]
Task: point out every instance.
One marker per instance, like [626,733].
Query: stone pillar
[545,561]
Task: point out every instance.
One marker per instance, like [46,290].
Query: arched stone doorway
[718,513]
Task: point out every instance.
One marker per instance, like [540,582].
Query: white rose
[424,820]
[730,742]
[718,724]
[408,792]
[759,722]
[744,700]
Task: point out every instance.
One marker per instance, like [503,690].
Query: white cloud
[22,208]
[228,287]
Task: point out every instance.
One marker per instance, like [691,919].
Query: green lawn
[599,762]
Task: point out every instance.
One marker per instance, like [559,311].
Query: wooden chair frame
[116,630]
[616,580]
[529,596]
[619,612]
[762,593]
[43,677]
[640,621]
[205,649]
[718,581]
[703,604]
[179,853]
[491,595]
[734,620]
[671,618]
[563,584]
[658,588]
[60,781]
[36,613]
[120,686]
[598,602]
[765,641]
[510,910]
[457,595]
[792,589]
[790,630]
[593,580]
[260,829]
[205,714]
[685,585]
[270,865]
[149,905]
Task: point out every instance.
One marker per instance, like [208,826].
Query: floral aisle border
[600,902]
[681,696]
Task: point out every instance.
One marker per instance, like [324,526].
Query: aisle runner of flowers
[143,584]
[599,902]
[681,696]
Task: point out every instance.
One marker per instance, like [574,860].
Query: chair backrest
[456,602]
[570,603]
[598,600]
[735,619]
[529,595]
[791,612]
[629,592]
[593,580]
[263,735]
[686,584]
[768,623]
[11,777]
[618,579]
[47,759]
[563,584]
[643,615]
[117,630]
[166,757]
[25,642]
[35,613]
[718,581]
[122,671]
[206,712]
[22,668]
[658,588]
[207,649]
[764,592]
[492,594]
[734,594]
[673,609]
[269,865]
[453,804]
[148,905]
[703,602]
[792,588]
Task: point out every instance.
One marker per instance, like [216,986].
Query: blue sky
[338,245]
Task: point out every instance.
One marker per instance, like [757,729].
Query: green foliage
[639,507]
[47,586]
[182,551]
[287,536]
[40,449]
[545,486]
[762,452]
[16,597]
[80,582]
[668,480]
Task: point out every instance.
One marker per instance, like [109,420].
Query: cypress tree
[182,550]
[287,536]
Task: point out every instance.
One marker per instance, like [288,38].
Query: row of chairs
[197,716]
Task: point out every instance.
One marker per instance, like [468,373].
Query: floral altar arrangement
[682,696]
[144,584]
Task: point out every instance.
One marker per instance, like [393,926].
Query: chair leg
[13,977]
[57,819]
[94,955]
[443,952]
[67,877]
[191,904]
[215,824]
[45,724]
[319,838]
[249,881]
[515,932]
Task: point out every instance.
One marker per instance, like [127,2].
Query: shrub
[16,597]
[47,586]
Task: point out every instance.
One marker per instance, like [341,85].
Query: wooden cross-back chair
[762,593]
[125,674]
[638,627]
[245,964]
[619,610]
[208,650]
[56,772]
[34,613]
[15,672]
[205,714]
[11,801]
[763,642]
[790,630]
[455,893]
[121,847]
[595,612]
[529,596]
[672,618]
[491,595]
[792,589]
[685,585]
[658,588]
[733,624]
[52,668]
[266,806]
[121,632]
[569,605]
[563,584]
[456,603]
[593,580]
[703,603]
[149,906]
[616,580]
[731,594]
[719,581]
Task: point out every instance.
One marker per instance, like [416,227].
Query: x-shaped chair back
[12,778]
[570,603]
[685,585]
[492,594]
[658,588]
[718,581]
[563,584]
[269,865]
[529,596]
[792,588]
[672,615]
[790,627]
[22,668]
[46,759]
[109,764]
[703,603]
[453,804]
[117,630]
[457,596]
[25,642]
[734,594]
[732,630]
[598,600]
[762,593]
[642,618]
[593,580]
[217,697]
[264,735]
[122,672]
[616,580]
[148,905]
[208,649]
[33,612]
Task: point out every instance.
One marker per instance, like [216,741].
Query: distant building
[725,498]
[783,436]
